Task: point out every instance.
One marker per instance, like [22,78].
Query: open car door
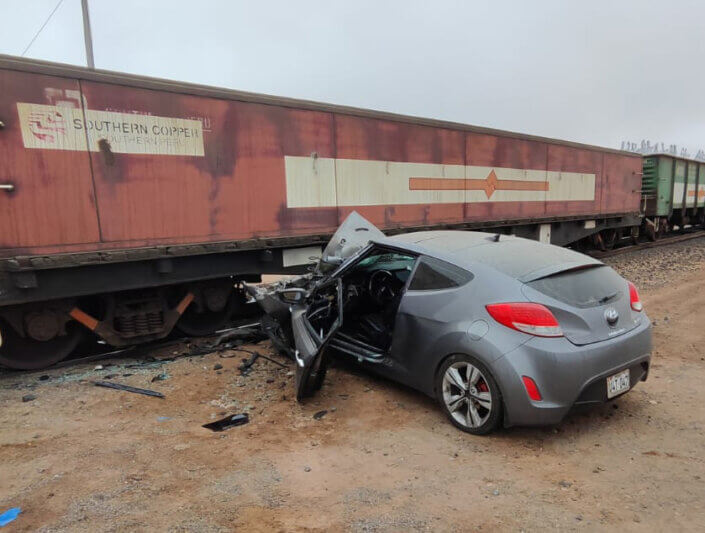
[313,326]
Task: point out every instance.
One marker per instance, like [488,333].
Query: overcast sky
[598,71]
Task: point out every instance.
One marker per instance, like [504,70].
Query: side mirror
[292,296]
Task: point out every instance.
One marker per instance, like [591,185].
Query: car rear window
[584,287]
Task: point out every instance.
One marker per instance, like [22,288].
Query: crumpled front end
[276,321]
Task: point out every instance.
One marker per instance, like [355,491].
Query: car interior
[372,290]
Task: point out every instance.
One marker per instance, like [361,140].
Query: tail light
[634,299]
[531,318]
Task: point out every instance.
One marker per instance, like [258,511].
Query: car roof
[524,259]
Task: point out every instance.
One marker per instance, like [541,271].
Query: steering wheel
[381,287]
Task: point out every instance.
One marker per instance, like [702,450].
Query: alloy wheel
[466,394]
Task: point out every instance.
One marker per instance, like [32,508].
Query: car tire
[482,421]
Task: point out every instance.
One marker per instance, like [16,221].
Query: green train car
[672,193]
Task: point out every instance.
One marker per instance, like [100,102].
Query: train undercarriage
[41,334]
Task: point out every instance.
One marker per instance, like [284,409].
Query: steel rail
[598,254]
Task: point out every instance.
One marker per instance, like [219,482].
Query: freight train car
[673,192]
[130,205]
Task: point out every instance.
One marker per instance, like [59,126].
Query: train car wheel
[634,235]
[663,229]
[610,238]
[648,230]
[23,353]
[199,320]
[598,242]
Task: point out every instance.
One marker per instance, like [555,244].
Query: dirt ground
[382,458]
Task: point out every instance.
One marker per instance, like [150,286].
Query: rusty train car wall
[124,196]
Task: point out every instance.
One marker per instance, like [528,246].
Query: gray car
[499,329]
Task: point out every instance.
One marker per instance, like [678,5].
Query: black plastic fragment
[127,388]
[228,422]
[320,414]
[246,365]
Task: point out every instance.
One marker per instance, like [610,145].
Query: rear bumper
[568,375]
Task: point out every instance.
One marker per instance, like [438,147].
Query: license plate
[618,383]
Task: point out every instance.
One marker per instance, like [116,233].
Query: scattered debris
[9,515]
[43,377]
[250,332]
[28,397]
[160,377]
[217,366]
[320,414]
[150,363]
[98,367]
[127,388]
[228,422]
[307,468]
[565,484]
[163,418]
[247,363]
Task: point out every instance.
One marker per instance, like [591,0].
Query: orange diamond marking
[491,183]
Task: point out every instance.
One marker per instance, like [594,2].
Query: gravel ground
[653,267]
[383,458]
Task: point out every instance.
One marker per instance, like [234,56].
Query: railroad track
[694,234]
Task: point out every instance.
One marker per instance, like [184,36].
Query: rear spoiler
[560,268]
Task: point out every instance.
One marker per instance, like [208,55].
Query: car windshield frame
[355,258]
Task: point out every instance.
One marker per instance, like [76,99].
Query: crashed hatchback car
[499,329]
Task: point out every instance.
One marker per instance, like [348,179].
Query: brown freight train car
[130,205]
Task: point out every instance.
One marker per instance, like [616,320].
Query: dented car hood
[351,236]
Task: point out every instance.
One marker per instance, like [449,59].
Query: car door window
[433,274]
